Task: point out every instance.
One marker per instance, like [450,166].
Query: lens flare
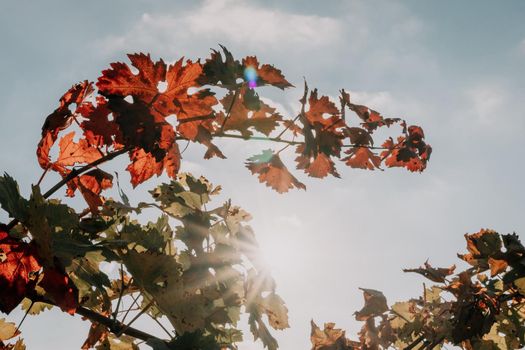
[250,75]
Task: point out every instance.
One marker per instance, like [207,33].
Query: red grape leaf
[142,127]
[98,129]
[359,136]
[323,137]
[91,185]
[72,152]
[143,165]
[42,151]
[120,80]
[362,158]
[175,99]
[242,119]
[204,137]
[60,289]
[178,101]
[410,152]
[60,119]
[266,74]
[371,119]
[319,167]
[18,269]
[273,172]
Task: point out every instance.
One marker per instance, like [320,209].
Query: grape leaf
[264,119]
[60,119]
[432,273]
[330,338]
[323,136]
[175,99]
[273,172]
[91,185]
[35,308]
[60,289]
[225,71]
[11,200]
[72,152]
[375,305]
[8,330]
[18,269]
[362,157]
[266,74]
[98,129]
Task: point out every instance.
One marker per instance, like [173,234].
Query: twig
[288,126]
[130,307]
[161,325]
[25,315]
[74,173]
[122,287]
[115,326]
[135,318]
[42,176]
[235,95]
[291,142]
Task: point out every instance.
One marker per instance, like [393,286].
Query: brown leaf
[273,172]
[362,158]
[330,338]
[432,273]
[375,305]
[266,74]
[322,129]
[319,167]
[497,266]
[242,119]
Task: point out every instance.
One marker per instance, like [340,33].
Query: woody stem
[74,173]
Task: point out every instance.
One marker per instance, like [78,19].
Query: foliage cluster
[197,265]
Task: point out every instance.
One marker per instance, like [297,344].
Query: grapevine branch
[74,173]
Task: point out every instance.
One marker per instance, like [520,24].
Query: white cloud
[236,22]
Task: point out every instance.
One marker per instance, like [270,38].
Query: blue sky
[455,68]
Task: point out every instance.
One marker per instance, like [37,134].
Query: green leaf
[86,274]
[39,226]
[11,200]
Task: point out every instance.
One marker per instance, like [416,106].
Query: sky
[455,68]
